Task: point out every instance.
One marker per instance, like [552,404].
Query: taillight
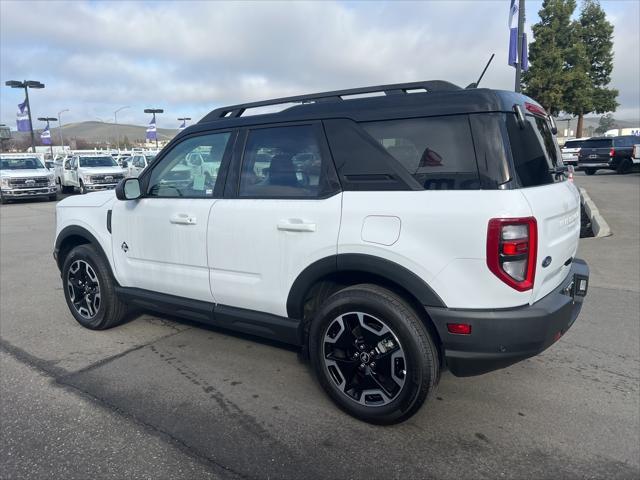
[612,152]
[535,109]
[512,245]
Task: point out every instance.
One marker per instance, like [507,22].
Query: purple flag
[22,118]
[513,46]
[45,136]
[525,56]
[151,129]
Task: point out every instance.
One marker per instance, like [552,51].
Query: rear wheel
[89,289]
[624,166]
[590,171]
[372,354]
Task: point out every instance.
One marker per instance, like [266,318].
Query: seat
[282,172]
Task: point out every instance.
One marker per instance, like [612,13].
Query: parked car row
[602,153]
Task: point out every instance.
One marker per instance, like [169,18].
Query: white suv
[389,237]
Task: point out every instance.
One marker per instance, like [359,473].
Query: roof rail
[333,96]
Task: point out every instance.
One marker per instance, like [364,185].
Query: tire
[63,188]
[3,200]
[336,341]
[83,189]
[53,198]
[82,268]
[590,171]
[625,166]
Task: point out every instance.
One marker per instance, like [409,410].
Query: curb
[598,223]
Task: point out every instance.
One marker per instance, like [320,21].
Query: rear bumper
[500,338]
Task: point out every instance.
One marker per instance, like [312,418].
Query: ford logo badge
[108,178]
[546,262]
[30,182]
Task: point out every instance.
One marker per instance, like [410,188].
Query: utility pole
[518,88]
[115,118]
[60,126]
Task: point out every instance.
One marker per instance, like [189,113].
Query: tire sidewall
[366,302]
[88,254]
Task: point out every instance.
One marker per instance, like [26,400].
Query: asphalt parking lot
[160,398]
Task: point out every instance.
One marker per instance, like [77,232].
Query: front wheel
[53,198]
[83,189]
[372,354]
[590,171]
[89,289]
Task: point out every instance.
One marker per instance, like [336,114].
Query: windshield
[97,162]
[24,163]
[149,158]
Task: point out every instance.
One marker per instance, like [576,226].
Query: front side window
[191,168]
[98,162]
[437,151]
[281,162]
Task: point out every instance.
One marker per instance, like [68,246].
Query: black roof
[434,97]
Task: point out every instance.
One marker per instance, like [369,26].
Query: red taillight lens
[535,109]
[612,152]
[459,328]
[512,245]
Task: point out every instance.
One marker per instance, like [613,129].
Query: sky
[191,57]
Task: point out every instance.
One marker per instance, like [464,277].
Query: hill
[98,132]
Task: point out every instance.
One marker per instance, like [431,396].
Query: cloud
[190,57]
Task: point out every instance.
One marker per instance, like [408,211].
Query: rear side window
[534,151]
[282,162]
[599,143]
[437,151]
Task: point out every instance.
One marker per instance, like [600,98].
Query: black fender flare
[74,230]
[363,264]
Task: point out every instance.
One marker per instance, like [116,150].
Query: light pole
[184,120]
[48,119]
[60,126]
[154,111]
[26,84]
[115,117]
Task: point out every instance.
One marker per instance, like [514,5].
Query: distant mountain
[99,132]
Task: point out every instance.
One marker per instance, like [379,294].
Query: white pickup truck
[89,172]
[25,176]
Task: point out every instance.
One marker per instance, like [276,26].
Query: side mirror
[67,166]
[124,164]
[48,164]
[554,127]
[128,189]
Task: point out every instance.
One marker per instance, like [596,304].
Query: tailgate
[556,208]
[594,155]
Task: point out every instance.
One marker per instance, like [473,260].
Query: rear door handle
[183,219]
[296,225]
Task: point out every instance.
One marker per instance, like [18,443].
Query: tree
[607,122]
[595,33]
[553,39]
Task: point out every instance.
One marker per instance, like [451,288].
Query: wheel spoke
[380,385]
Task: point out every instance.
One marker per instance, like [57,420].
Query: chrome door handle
[183,219]
[296,225]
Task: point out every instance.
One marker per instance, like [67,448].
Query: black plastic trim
[109,214]
[71,231]
[260,324]
[502,337]
[363,264]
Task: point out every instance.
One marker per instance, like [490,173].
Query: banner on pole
[22,118]
[152,133]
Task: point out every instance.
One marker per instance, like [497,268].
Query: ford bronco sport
[390,232]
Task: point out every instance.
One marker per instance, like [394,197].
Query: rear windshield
[534,151]
[437,151]
[598,143]
[574,144]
